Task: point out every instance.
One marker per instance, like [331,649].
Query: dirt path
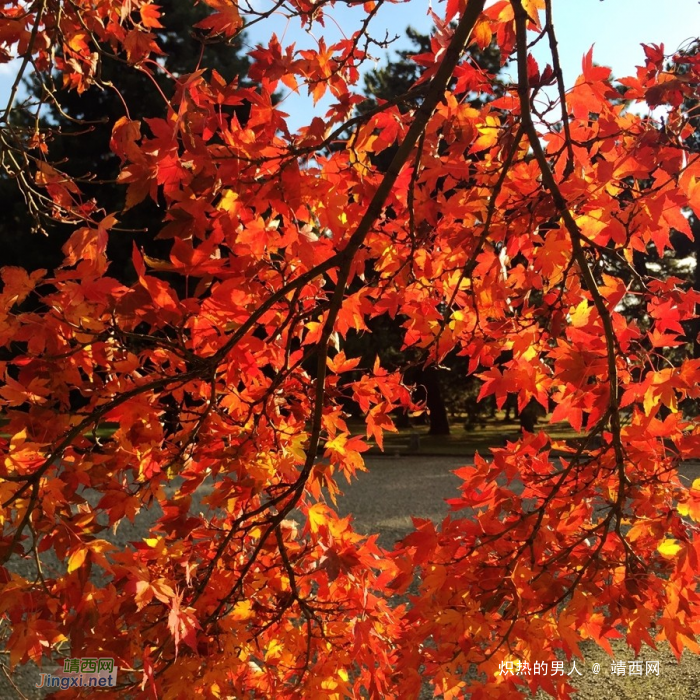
[382,501]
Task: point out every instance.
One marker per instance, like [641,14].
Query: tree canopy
[502,231]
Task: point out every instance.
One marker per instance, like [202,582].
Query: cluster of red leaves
[224,372]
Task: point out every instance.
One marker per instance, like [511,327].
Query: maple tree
[274,232]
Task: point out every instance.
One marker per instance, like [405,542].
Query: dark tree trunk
[439,423]
[528,416]
[639,261]
[511,404]
[402,420]
[694,325]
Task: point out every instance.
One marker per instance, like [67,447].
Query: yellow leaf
[242,610]
[228,201]
[274,650]
[101,546]
[337,444]
[489,134]
[669,548]
[532,8]
[156,264]
[143,594]
[297,445]
[579,316]
[75,560]
[318,516]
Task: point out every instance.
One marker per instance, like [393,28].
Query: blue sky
[616,27]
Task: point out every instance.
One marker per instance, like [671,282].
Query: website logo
[82,673]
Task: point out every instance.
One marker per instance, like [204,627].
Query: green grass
[492,433]
[104,430]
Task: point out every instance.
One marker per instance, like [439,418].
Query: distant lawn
[492,432]
[104,430]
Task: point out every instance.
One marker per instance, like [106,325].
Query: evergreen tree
[81,130]
[398,76]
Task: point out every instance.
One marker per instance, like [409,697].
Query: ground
[394,487]
[382,501]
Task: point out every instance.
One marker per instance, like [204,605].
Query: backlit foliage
[499,229]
